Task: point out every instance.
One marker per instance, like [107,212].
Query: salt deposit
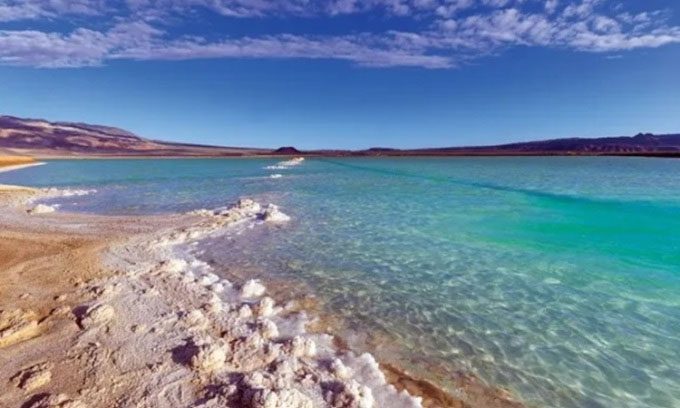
[267,328]
[252,288]
[286,398]
[175,265]
[302,347]
[210,357]
[97,315]
[286,164]
[65,192]
[266,307]
[52,193]
[274,215]
[293,162]
[42,209]
[184,336]
[168,330]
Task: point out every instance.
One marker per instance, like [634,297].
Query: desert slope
[41,138]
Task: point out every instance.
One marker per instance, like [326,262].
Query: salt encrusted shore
[13,167]
[102,311]
[235,344]
[163,330]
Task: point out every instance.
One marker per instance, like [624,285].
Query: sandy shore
[10,163]
[112,311]
[12,167]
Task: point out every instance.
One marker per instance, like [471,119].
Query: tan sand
[10,163]
[97,312]
[14,160]
[44,268]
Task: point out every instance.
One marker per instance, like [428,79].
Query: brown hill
[37,137]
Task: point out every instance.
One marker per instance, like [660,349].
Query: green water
[558,278]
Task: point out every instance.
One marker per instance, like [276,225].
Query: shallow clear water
[558,278]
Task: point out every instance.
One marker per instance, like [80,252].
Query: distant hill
[645,144]
[41,138]
[37,137]
[287,150]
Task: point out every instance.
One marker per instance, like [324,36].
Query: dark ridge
[287,150]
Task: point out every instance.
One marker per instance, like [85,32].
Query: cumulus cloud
[451,31]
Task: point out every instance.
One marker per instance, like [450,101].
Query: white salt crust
[283,165]
[233,346]
[52,192]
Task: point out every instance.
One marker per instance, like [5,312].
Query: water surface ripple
[558,278]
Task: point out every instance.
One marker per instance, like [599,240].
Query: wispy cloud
[452,31]
[11,10]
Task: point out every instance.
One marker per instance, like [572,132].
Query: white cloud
[140,41]
[452,31]
[11,10]
[82,47]
[363,50]
[551,6]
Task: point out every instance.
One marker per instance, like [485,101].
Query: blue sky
[345,73]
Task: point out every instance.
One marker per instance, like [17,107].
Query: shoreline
[139,277]
[313,155]
[13,167]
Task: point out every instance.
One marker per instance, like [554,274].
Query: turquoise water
[558,278]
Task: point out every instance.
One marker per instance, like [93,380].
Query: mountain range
[41,138]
